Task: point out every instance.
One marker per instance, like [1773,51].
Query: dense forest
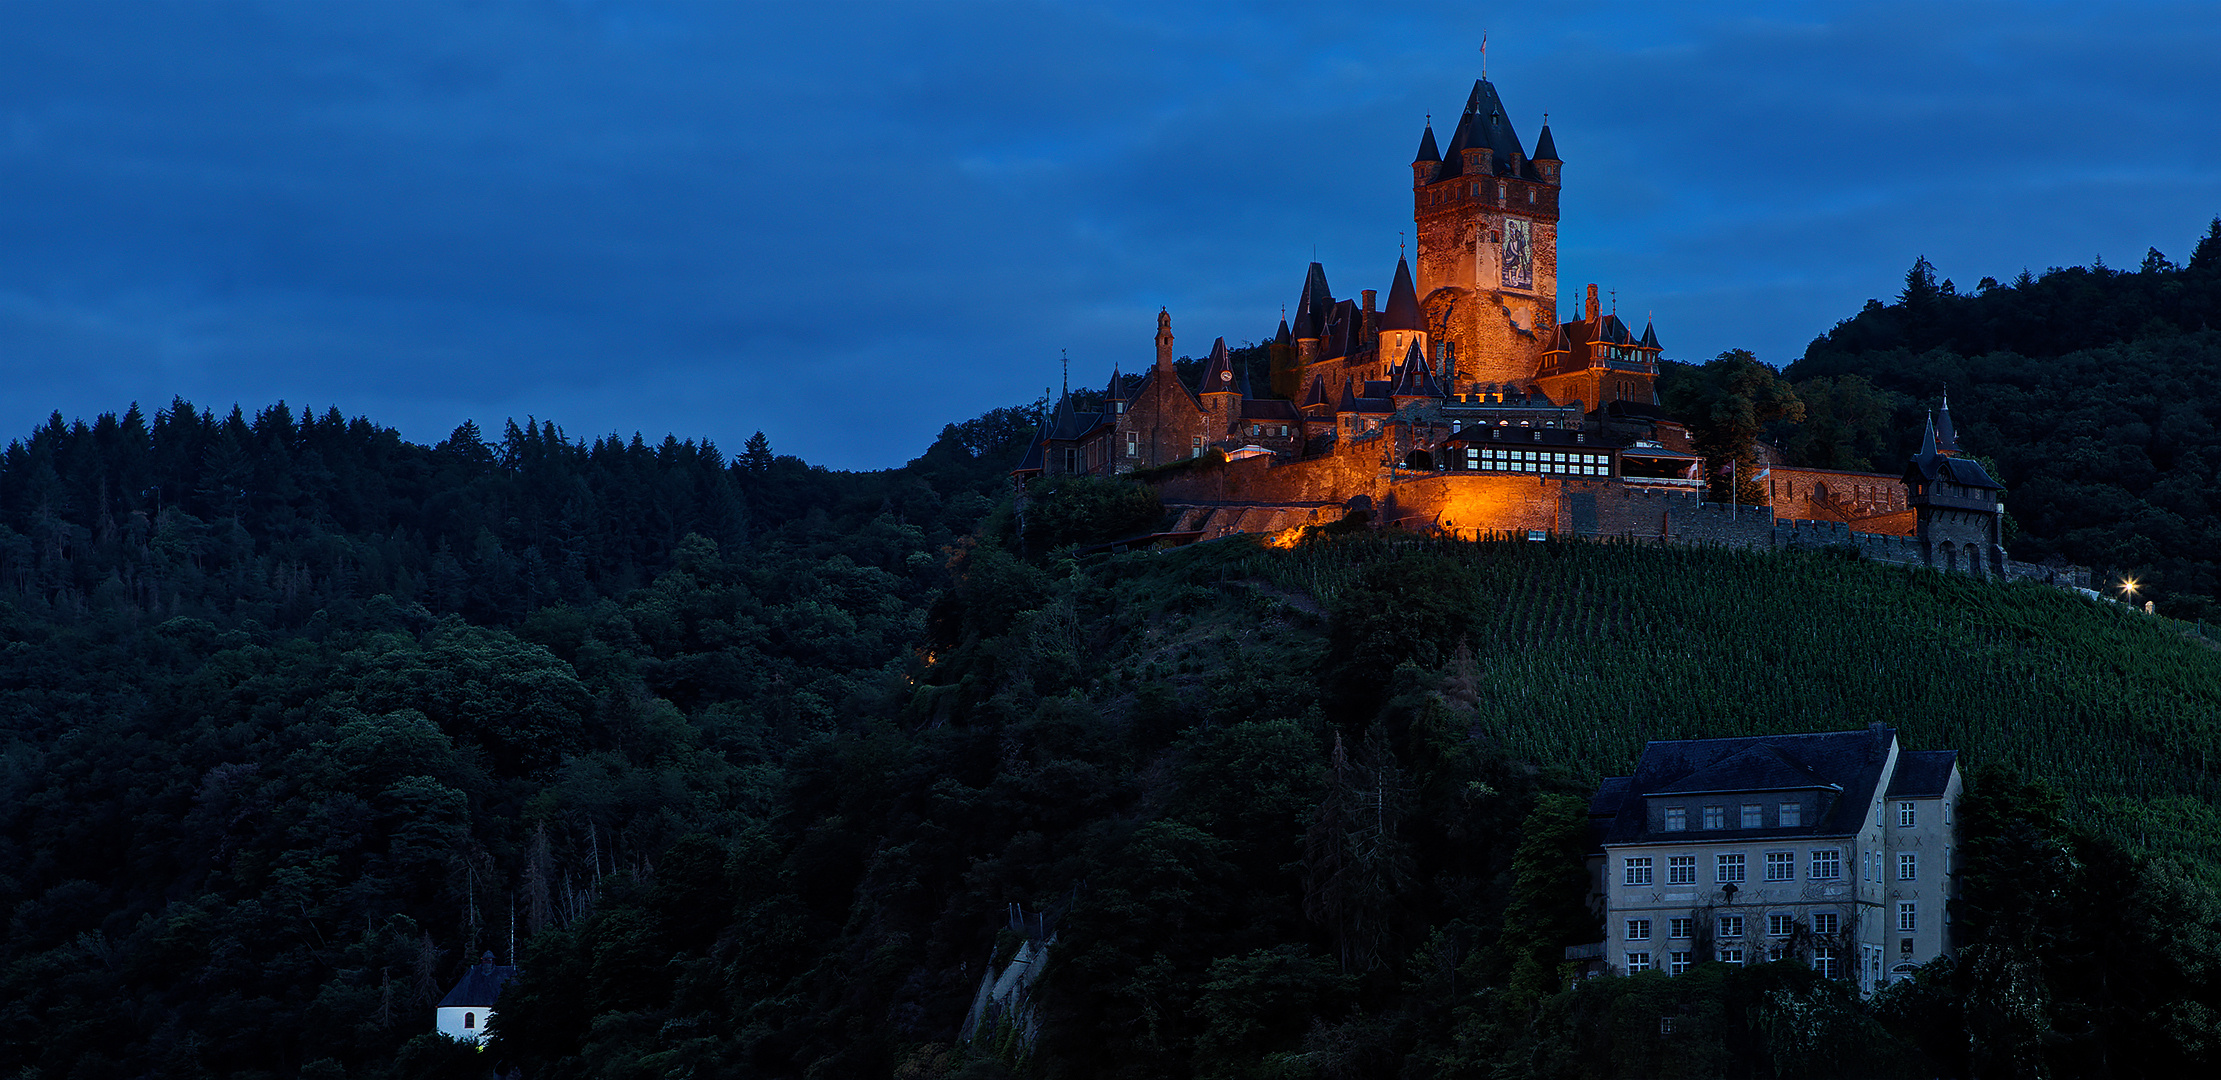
[746,763]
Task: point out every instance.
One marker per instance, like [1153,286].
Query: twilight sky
[847,224]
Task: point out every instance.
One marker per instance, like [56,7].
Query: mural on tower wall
[1519,254]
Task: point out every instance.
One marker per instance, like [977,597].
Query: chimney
[1592,302]
[1369,333]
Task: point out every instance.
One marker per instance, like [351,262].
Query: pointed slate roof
[1282,337]
[1546,148]
[480,986]
[1650,336]
[1117,390]
[1218,372]
[1427,149]
[1402,312]
[1946,441]
[1414,377]
[1312,305]
[1036,451]
[1484,124]
[1317,397]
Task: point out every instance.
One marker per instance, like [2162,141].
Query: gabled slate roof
[1402,312]
[1269,409]
[1922,773]
[1930,465]
[480,986]
[1847,765]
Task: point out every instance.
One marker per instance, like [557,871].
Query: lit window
[1827,864]
[1908,866]
[1728,869]
[1826,922]
[1682,928]
[1753,816]
[1779,925]
[1665,1025]
[1908,917]
[1638,961]
[1781,866]
[1715,817]
[1677,819]
[1677,963]
[1906,815]
[1133,444]
[1791,815]
[1638,870]
[1731,955]
[1681,870]
[1731,927]
[1638,929]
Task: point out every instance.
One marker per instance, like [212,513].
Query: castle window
[1681,870]
[1791,815]
[1731,927]
[1715,817]
[1781,866]
[1826,922]
[1727,869]
[1753,816]
[1827,864]
[1133,444]
[1824,962]
[1677,963]
[1638,961]
[1908,866]
[1908,918]
[1731,956]
[470,1020]
[1638,870]
[1906,815]
[1195,446]
[1638,929]
[1682,928]
[1780,925]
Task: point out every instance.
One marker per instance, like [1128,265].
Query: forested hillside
[2096,393]
[752,759]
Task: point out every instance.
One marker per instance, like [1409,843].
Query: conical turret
[1402,312]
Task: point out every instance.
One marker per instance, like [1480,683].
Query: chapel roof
[480,986]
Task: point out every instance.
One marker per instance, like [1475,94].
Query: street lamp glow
[2128,586]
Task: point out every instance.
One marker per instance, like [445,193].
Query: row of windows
[1778,924]
[1258,431]
[1788,816]
[1537,461]
[1824,960]
[1728,868]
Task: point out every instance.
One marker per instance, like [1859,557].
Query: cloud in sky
[849,224]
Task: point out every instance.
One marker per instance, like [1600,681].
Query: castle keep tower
[1487,218]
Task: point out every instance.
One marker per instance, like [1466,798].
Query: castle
[1466,406]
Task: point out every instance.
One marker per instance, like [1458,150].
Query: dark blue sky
[848,224]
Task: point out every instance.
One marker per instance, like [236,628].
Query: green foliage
[2095,391]
[1728,403]
[1088,510]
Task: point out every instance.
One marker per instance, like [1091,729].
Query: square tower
[1487,222]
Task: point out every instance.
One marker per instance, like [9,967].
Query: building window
[1133,444]
[1773,953]
[1677,819]
[1638,929]
[1715,817]
[1791,815]
[1908,917]
[1778,925]
[1638,870]
[470,1020]
[1823,961]
[1195,446]
[1682,928]
[1753,816]
[1677,963]
[1731,927]
[1908,866]
[1781,866]
[1826,922]
[1665,1025]
[1728,869]
[1638,961]
[1681,870]
[1907,816]
[1731,955]
[1827,864]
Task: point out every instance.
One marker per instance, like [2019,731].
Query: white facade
[1773,873]
[462,1024]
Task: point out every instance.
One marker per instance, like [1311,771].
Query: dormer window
[1677,819]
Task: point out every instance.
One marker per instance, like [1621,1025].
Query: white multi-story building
[1834,849]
